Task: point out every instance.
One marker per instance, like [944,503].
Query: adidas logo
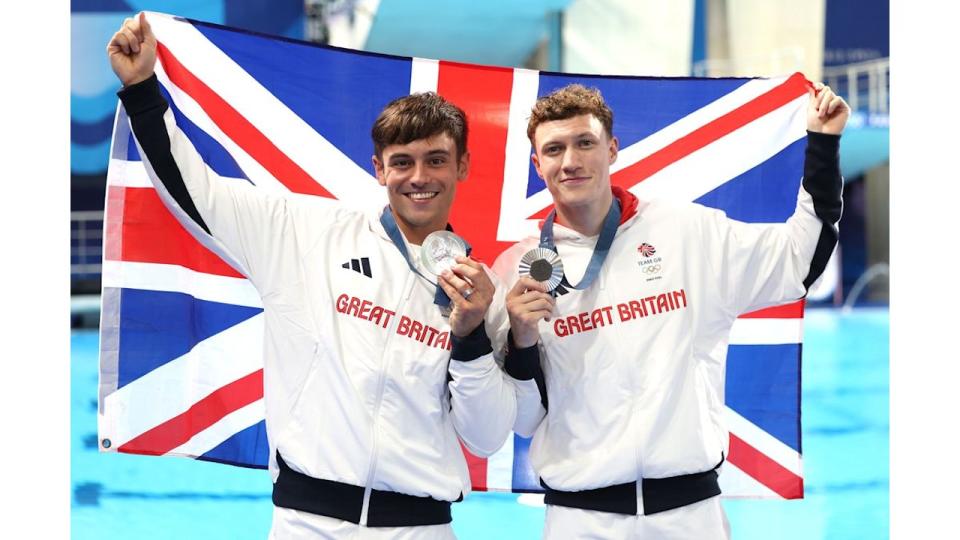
[361,265]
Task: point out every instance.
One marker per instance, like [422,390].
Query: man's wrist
[472,346]
[521,363]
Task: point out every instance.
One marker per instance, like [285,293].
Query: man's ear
[614,149]
[463,166]
[378,169]
[536,164]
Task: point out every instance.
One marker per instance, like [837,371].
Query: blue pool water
[845,448]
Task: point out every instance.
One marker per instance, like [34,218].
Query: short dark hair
[419,116]
[567,102]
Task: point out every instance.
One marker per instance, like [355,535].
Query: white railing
[771,63]
[865,85]
[86,243]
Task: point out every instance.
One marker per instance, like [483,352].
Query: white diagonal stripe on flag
[148,402]
[734,480]
[260,177]
[693,121]
[764,442]
[223,429]
[323,161]
[708,168]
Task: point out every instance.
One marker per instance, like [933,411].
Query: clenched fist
[826,112]
[133,51]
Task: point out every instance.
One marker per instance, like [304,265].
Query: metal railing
[773,62]
[865,85]
[86,244]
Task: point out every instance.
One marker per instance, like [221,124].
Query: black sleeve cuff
[824,146]
[141,97]
[521,364]
[472,346]
[821,174]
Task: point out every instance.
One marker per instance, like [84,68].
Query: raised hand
[133,51]
[527,303]
[826,112]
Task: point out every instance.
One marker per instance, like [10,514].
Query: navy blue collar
[600,251]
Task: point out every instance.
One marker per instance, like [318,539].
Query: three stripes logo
[361,265]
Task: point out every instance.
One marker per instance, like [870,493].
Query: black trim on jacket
[524,364]
[471,346]
[822,180]
[145,106]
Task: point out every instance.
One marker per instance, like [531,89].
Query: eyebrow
[431,153]
[577,136]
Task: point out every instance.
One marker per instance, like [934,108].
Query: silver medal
[440,250]
[542,265]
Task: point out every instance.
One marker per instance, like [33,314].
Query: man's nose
[570,162]
[418,175]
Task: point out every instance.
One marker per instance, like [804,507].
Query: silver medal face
[542,265]
[440,250]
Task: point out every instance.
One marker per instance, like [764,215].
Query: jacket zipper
[374,449]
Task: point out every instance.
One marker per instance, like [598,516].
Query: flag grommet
[105,443]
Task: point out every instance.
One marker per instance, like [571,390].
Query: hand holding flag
[133,51]
[826,111]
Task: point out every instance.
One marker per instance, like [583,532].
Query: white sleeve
[246,226]
[760,265]
[483,398]
[522,366]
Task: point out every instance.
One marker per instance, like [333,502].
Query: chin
[575,201]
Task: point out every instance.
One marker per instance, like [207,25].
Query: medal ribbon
[600,251]
[440,298]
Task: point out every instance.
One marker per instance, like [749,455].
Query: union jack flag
[181,330]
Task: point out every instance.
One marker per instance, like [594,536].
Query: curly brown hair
[567,102]
[419,116]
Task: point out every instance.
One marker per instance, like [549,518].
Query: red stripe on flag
[484,95]
[478,469]
[239,129]
[793,310]
[791,89]
[765,470]
[152,235]
[113,228]
[201,415]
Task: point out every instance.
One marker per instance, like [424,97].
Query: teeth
[419,196]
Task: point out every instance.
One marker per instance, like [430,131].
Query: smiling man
[375,368]
[629,435]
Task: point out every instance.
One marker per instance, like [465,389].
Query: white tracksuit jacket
[634,365]
[357,355]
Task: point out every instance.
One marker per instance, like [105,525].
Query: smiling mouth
[421,195]
[574,179]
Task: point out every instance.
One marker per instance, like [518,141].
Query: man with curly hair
[629,437]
